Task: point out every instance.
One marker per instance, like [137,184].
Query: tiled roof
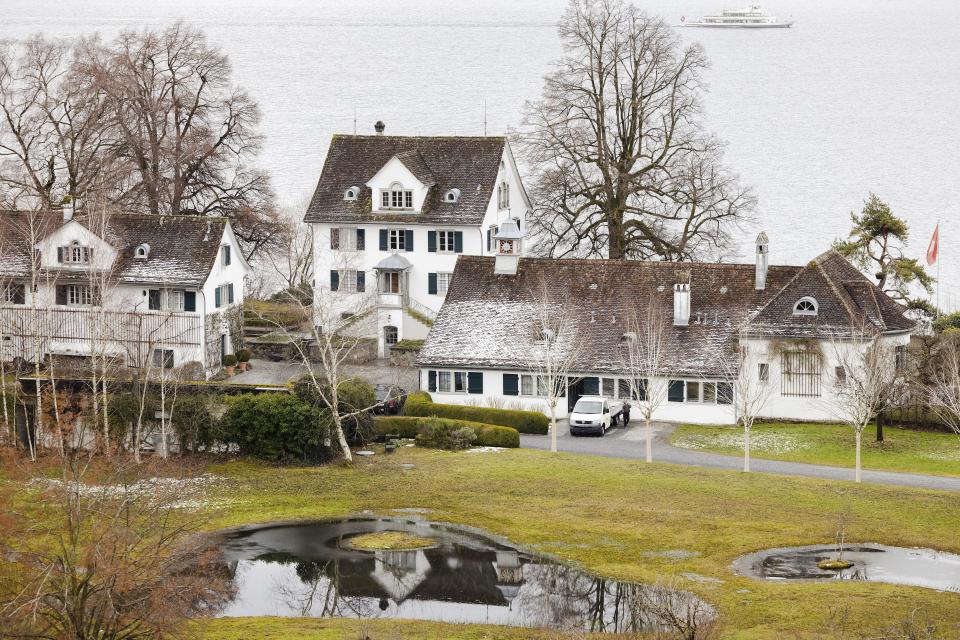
[485,318]
[183,249]
[469,164]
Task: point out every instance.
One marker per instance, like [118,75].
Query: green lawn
[612,517]
[831,444]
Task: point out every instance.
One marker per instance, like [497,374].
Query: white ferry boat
[751,18]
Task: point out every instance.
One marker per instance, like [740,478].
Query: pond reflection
[308,570]
[871,563]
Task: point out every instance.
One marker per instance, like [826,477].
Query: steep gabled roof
[487,319]
[848,303]
[183,249]
[469,164]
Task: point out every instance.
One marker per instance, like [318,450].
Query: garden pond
[461,576]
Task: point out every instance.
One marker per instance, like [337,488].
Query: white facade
[406,300]
[694,401]
[78,304]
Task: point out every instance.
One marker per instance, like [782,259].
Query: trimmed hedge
[487,435]
[420,404]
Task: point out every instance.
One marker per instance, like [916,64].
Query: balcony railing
[155,328]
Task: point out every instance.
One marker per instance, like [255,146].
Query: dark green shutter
[153,300]
[475,382]
[217,297]
[383,240]
[62,294]
[361,239]
[675,391]
[60,255]
[432,241]
[511,384]
[361,281]
[642,389]
[490,239]
[458,241]
[230,293]
[432,380]
[724,393]
[432,284]
[408,243]
[19,294]
[189,300]
[334,281]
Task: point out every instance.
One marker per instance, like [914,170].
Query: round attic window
[453,195]
[805,306]
[142,251]
[352,193]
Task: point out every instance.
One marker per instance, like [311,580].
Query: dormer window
[805,306]
[452,196]
[142,252]
[74,253]
[351,194]
[396,197]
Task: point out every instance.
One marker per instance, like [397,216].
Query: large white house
[147,291]
[391,215]
[799,324]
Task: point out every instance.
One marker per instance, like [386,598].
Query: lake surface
[858,96]
[311,569]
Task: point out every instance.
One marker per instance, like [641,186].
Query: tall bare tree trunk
[649,425]
[746,447]
[859,433]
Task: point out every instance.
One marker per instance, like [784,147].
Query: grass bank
[902,449]
[617,518]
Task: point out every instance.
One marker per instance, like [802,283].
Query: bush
[422,405]
[279,427]
[243,355]
[229,360]
[195,426]
[439,434]
[485,435]
[353,394]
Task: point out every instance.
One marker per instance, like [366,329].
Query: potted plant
[243,357]
[229,362]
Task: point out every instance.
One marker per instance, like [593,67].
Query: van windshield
[588,406]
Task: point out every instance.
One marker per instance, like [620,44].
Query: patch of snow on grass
[191,493]
[763,442]
[485,449]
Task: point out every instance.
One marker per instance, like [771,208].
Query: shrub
[353,394]
[229,360]
[486,435]
[194,424]
[243,355]
[422,405]
[440,434]
[278,427]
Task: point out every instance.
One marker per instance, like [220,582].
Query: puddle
[871,562]
[307,570]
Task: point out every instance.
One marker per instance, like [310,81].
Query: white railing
[79,325]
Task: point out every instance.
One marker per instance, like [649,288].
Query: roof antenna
[484,117]
[354,119]
[206,236]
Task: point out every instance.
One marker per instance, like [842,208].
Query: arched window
[352,193]
[396,197]
[142,251]
[452,195]
[805,306]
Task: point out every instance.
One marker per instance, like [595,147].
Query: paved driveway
[630,442]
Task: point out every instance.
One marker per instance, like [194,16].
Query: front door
[391,336]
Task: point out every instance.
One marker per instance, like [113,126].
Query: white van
[594,414]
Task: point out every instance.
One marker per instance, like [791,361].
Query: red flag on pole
[933,250]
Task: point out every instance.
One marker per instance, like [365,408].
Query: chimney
[379,127]
[509,243]
[681,304]
[763,250]
[67,208]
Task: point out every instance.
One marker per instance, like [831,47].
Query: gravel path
[630,443]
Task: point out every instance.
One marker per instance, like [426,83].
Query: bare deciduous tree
[114,563]
[863,384]
[750,391]
[943,389]
[556,347]
[620,165]
[644,358]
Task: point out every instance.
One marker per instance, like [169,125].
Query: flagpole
[938,267]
